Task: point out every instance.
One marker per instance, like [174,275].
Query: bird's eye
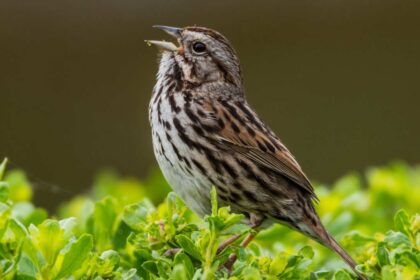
[199,47]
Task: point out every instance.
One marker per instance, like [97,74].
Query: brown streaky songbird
[206,134]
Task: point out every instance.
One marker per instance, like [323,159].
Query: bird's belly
[190,185]
[194,191]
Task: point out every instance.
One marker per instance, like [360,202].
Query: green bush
[117,232]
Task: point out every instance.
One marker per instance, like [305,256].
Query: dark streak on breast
[174,107]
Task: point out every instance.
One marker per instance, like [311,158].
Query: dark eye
[199,47]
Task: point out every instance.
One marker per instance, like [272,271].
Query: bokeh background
[337,80]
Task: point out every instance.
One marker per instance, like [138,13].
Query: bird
[205,134]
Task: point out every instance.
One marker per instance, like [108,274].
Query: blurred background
[337,80]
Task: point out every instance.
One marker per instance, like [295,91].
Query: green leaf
[29,250]
[402,222]
[348,184]
[4,191]
[129,274]
[75,256]
[143,256]
[235,229]
[103,222]
[179,272]
[387,273]
[26,269]
[36,216]
[4,218]
[67,225]
[151,267]
[251,273]
[163,268]
[278,264]
[18,229]
[135,215]
[182,260]
[395,239]
[20,189]
[382,254]
[307,252]
[49,238]
[342,275]
[188,245]
[407,258]
[110,259]
[228,219]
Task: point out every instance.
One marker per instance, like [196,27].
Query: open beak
[168,46]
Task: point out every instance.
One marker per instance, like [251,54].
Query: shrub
[117,232]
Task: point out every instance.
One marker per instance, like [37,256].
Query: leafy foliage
[117,232]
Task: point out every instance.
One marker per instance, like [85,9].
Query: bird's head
[201,55]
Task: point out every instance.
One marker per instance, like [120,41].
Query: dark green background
[337,80]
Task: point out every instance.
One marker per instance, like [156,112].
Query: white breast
[187,182]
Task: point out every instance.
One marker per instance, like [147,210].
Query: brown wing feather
[280,163]
[250,143]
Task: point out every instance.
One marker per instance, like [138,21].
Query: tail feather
[312,226]
[323,237]
[335,246]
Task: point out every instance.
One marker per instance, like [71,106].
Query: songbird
[206,134]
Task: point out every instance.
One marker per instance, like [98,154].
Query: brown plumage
[205,134]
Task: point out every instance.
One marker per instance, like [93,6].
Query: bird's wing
[280,163]
[245,134]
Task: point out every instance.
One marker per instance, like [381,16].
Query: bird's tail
[322,236]
[335,246]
